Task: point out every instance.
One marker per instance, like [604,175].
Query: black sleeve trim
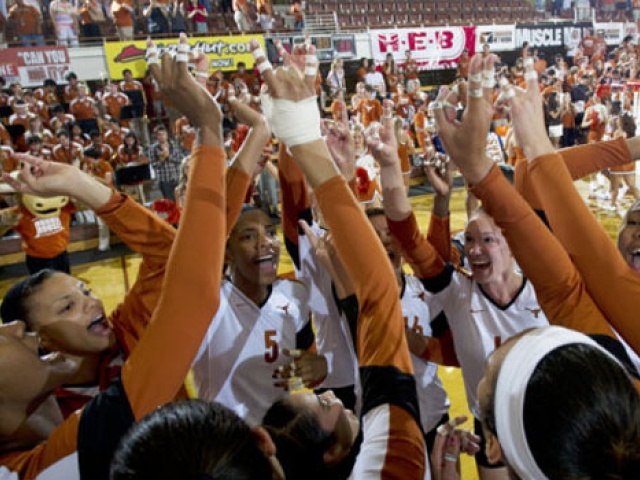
[615,348]
[382,385]
[305,337]
[439,324]
[439,282]
[305,215]
[351,309]
[103,423]
[293,251]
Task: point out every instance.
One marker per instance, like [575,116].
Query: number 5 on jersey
[272,350]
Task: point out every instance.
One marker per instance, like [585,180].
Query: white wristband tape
[475,77]
[182,57]
[258,53]
[204,75]
[310,71]
[311,60]
[531,75]
[528,62]
[183,48]
[294,123]
[475,92]
[264,66]
[509,93]
[153,60]
[436,105]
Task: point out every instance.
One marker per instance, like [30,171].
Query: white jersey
[419,307]
[243,347]
[479,326]
[333,338]
[64,469]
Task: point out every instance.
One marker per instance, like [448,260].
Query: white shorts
[555,131]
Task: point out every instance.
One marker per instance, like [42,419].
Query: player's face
[629,239]
[253,249]
[68,317]
[358,140]
[25,378]
[332,416]
[379,223]
[487,250]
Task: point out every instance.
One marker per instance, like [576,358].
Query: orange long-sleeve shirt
[380,337]
[610,281]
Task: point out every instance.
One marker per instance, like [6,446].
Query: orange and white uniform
[71,155]
[114,138]
[59,122]
[369,111]
[124,157]
[83,108]
[113,103]
[8,160]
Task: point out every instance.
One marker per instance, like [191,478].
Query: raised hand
[186,94]
[439,171]
[465,141]
[527,115]
[48,179]
[340,143]
[384,145]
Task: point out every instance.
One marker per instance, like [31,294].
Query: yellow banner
[224,53]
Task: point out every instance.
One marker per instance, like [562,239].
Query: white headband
[515,373]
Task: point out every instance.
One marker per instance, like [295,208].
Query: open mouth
[47,211]
[634,260]
[480,266]
[267,264]
[99,326]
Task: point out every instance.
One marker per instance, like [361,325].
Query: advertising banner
[433,48]
[328,47]
[224,53]
[540,35]
[500,38]
[613,32]
[31,66]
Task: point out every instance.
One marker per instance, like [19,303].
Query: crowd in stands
[523,302]
[66,22]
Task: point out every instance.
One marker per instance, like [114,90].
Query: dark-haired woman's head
[194,439]
[313,434]
[63,312]
[556,405]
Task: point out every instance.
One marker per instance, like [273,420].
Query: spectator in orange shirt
[71,90]
[114,100]
[122,11]
[114,136]
[37,149]
[297,12]
[35,106]
[83,106]
[8,160]
[91,16]
[185,133]
[129,152]
[66,151]
[78,136]
[369,109]
[47,94]
[60,119]
[5,138]
[410,67]
[28,23]
[104,151]
[36,129]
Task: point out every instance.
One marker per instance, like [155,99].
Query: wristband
[531,75]
[182,57]
[488,78]
[294,123]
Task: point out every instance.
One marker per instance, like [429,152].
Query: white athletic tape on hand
[152,56]
[182,57]
[528,62]
[475,93]
[310,71]
[294,123]
[183,48]
[509,93]
[531,75]
[503,82]
[436,105]
[475,77]
[264,66]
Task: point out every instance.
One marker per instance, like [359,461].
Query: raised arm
[611,282]
[383,355]
[190,295]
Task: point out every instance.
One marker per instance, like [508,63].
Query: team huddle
[333,373]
